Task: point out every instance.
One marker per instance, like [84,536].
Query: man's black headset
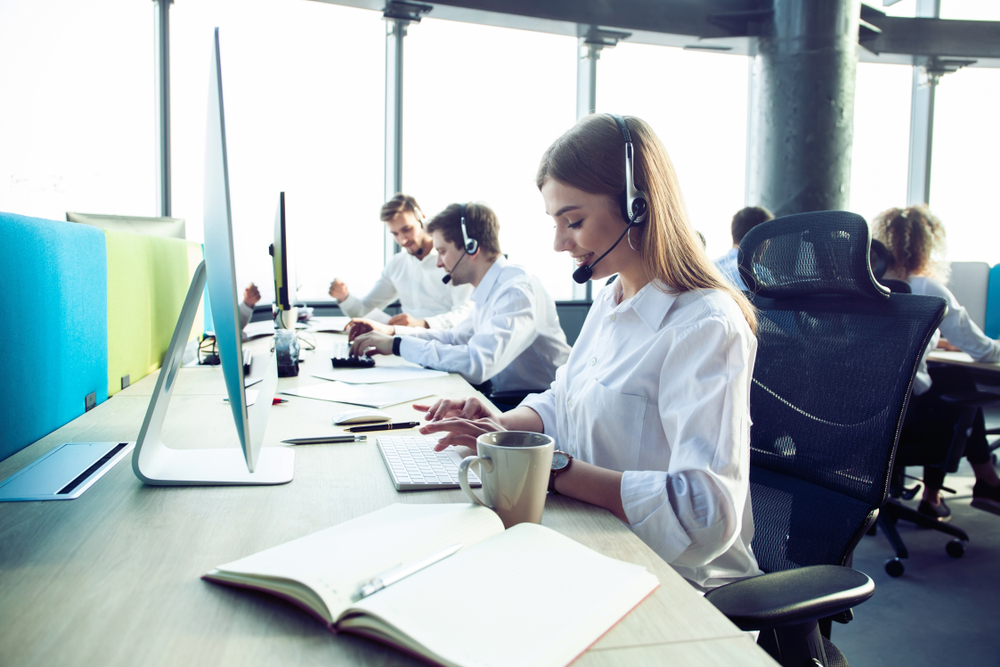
[635,208]
[470,247]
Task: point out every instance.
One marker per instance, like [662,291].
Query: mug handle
[463,475]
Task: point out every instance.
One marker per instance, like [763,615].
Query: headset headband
[634,206]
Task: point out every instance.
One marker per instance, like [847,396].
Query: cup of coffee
[514,467]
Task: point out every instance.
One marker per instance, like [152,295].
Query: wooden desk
[113,577]
[982,372]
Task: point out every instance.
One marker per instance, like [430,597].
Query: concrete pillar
[802,106]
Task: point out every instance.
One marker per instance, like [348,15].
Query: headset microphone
[447,278]
[633,204]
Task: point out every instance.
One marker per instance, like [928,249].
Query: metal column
[918,181]
[586,99]
[162,23]
[395,32]
[802,112]
[398,15]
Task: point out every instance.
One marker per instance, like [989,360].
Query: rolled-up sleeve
[545,405]
[692,512]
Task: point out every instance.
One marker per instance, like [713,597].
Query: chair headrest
[823,252]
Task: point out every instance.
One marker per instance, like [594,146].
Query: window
[304,102]
[77,123]
[964,169]
[480,106]
[697,104]
[880,155]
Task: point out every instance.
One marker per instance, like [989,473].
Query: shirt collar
[482,291]
[651,303]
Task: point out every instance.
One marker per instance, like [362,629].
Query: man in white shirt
[414,276]
[744,220]
[512,337]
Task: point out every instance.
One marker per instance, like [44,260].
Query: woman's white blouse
[957,327]
[658,387]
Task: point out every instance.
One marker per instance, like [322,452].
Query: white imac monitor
[284,270]
[153,461]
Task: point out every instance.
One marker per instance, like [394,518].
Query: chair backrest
[835,360]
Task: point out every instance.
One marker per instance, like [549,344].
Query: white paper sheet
[331,324]
[379,374]
[373,396]
[258,329]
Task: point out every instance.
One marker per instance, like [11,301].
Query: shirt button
[593,361]
[613,317]
[570,402]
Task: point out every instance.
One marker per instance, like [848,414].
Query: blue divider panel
[993,304]
[54,299]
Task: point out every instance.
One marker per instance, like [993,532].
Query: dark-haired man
[413,277]
[744,220]
[512,337]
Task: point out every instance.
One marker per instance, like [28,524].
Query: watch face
[559,461]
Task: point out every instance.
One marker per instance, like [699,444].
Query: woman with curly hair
[916,242]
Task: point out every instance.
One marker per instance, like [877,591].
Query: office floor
[942,611]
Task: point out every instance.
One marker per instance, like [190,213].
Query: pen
[375,584]
[277,401]
[383,427]
[325,438]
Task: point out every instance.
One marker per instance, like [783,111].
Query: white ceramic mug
[514,467]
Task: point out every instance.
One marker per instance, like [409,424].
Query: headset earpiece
[633,201]
[471,244]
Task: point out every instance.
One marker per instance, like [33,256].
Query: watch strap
[395,345]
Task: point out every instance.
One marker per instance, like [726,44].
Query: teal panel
[56,287]
[993,304]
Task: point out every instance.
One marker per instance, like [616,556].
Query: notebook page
[467,609]
[335,562]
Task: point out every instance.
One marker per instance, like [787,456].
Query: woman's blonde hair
[915,239]
[590,156]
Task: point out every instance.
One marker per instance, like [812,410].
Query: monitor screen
[220,265]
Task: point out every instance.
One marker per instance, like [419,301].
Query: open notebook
[463,610]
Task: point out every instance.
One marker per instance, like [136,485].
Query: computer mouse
[361,416]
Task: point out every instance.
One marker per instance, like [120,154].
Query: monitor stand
[157,464]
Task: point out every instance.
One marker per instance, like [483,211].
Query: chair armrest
[791,596]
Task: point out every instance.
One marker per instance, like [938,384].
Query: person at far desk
[652,410]
[744,220]
[512,338]
[251,296]
[413,276]
[915,239]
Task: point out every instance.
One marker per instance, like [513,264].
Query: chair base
[894,511]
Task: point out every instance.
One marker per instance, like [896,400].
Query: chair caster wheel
[894,567]
[955,548]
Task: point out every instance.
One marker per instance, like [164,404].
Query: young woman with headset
[651,412]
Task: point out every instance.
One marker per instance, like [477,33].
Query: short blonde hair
[916,241]
[590,156]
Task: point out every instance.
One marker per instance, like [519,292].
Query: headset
[471,244]
[635,208]
[470,247]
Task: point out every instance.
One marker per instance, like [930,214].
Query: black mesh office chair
[836,356]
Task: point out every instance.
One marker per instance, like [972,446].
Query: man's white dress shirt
[729,265]
[658,387]
[956,327]
[417,284]
[512,336]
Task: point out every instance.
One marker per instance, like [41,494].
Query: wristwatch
[395,345]
[561,461]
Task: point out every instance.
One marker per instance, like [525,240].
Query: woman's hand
[462,408]
[460,431]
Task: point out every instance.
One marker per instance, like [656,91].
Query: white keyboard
[414,465]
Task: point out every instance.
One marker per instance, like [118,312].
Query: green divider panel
[148,278]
